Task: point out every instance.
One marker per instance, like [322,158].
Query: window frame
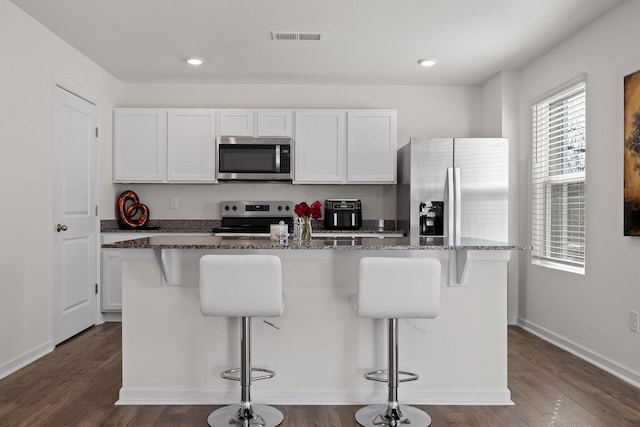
[543,180]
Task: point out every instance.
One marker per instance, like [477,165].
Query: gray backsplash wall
[202,201]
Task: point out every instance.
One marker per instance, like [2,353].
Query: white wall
[31,58]
[500,119]
[422,111]
[589,313]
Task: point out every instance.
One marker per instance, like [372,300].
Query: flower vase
[306,229]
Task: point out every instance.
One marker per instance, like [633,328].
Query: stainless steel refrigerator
[454,187]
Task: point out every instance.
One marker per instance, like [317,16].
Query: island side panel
[172,354]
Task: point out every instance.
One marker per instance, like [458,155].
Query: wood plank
[78,383]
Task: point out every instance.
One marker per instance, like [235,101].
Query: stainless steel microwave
[254,159]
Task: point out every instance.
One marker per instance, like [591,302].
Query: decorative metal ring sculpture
[128,206]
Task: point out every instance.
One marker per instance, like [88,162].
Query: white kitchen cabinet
[111,281]
[275,123]
[237,122]
[352,147]
[164,145]
[140,145]
[111,273]
[320,150]
[111,267]
[257,123]
[371,146]
[191,145]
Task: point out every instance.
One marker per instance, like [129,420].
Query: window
[558,178]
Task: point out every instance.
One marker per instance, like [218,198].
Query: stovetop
[253,218]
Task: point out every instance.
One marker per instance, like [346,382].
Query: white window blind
[558,179]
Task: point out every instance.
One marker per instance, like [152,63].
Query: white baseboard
[603,362]
[112,316]
[22,361]
[312,397]
[512,320]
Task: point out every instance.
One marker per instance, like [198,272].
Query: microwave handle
[278,158]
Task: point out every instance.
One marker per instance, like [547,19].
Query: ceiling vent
[292,35]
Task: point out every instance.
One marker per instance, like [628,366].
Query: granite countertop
[160,226]
[368,243]
[163,226]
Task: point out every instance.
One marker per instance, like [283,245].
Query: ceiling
[375,42]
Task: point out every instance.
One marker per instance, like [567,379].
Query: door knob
[61,227]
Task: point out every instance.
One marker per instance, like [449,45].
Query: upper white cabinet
[256,123]
[275,123]
[179,145]
[237,122]
[319,150]
[371,146]
[191,146]
[140,145]
[353,147]
[164,145]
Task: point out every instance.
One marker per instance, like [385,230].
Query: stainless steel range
[253,218]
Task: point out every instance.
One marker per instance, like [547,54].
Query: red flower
[302,209]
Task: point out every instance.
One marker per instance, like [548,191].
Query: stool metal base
[377,416]
[233,415]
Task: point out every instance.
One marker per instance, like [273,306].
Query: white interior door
[75,220]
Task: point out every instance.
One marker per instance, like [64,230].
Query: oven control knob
[235,208]
[226,208]
[279,207]
[287,208]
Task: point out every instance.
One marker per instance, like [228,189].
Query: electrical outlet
[634,321]
[173,202]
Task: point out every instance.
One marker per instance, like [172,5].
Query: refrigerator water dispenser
[431,218]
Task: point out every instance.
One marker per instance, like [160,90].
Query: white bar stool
[396,288]
[243,286]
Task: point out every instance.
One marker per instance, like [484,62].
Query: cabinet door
[111,281]
[275,123]
[371,142]
[319,149]
[237,122]
[191,145]
[111,271]
[139,145]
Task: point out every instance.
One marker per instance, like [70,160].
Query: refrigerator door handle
[451,208]
[458,203]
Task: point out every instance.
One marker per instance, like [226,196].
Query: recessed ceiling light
[428,62]
[195,60]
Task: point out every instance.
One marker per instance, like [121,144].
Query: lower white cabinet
[111,281]
[111,271]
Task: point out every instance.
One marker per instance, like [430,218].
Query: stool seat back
[241,286]
[393,288]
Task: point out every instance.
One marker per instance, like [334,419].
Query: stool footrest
[382,376]
[227,375]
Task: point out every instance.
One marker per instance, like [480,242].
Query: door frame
[62,84]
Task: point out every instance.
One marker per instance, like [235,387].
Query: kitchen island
[173,355]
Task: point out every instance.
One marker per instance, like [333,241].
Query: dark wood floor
[77,384]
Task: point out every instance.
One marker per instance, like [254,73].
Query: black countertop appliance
[342,214]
